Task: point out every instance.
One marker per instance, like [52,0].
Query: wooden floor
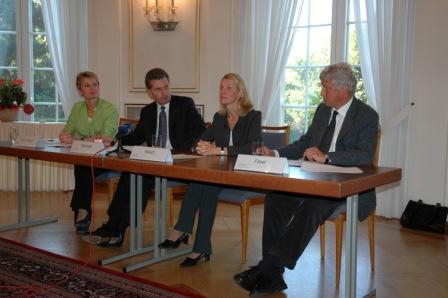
[408,263]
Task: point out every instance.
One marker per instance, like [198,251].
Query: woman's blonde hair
[85,74]
[245,103]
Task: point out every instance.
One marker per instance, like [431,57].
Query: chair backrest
[275,136]
[376,156]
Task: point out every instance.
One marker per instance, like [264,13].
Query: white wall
[109,50]
[428,139]
[426,167]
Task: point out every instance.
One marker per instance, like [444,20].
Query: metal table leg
[135,216]
[23,218]
[159,230]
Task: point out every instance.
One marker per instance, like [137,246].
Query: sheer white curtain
[266,39]
[384,30]
[66,26]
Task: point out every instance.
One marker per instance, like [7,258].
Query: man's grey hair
[341,75]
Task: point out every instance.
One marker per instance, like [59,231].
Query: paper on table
[295,162]
[55,143]
[310,166]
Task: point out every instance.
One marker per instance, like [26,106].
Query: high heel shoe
[189,262]
[174,244]
[82,226]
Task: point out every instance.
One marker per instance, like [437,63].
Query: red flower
[28,109]
[2,82]
[18,82]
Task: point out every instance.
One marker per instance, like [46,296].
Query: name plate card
[32,142]
[263,164]
[84,147]
[151,154]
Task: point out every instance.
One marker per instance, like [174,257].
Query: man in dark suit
[176,123]
[343,132]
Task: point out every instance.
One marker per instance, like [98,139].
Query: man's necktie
[162,127]
[328,135]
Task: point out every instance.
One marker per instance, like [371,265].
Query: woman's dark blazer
[246,131]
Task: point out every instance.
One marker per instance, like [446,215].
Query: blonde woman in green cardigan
[91,120]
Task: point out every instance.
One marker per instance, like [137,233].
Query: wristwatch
[221,151]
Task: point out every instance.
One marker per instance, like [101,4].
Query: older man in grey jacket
[343,132]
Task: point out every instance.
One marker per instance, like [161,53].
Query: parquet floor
[408,263]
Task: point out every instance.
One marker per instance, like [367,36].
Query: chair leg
[339,224]
[244,208]
[371,226]
[322,241]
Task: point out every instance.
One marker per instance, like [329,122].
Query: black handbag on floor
[421,216]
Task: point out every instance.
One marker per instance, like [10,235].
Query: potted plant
[12,97]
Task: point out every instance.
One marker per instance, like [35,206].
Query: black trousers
[119,208]
[82,194]
[289,224]
[202,197]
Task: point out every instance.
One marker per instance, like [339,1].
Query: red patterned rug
[27,271]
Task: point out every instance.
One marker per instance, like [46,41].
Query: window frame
[25,57]
[338,52]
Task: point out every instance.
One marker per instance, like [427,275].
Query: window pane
[360,90]
[304,15]
[38,20]
[314,87]
[44,87]
[294,86]
[320,12]
[8,51]
[8,73]
[8,15]
[45,113]
[61,114]
[352,47]
[299,49]
[320,42]
[41,53]
[295,117]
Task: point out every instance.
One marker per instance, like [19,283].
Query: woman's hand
[207,148]
[65,138]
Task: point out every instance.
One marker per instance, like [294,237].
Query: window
[24,53]
[325,34]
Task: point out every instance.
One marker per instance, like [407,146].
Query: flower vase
[8,115]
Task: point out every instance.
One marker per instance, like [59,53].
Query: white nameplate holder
[32,142]
[263,164]
[84,147]
[152,154]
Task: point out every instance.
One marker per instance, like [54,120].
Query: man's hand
[314,154]
[265,151]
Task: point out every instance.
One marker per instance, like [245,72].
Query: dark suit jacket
[185,124]
[355,145]
[246,131]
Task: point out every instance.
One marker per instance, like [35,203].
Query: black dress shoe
[269,285]
[174,244]
[249,278]
[112,241]
[190,262]
[82,226]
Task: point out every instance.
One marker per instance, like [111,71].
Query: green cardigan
[104,122]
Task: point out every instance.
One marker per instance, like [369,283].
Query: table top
[220,170]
